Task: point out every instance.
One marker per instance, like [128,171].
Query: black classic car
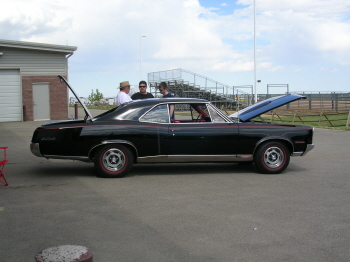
[174,130]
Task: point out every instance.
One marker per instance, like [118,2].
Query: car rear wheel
[113,161]
[272,158]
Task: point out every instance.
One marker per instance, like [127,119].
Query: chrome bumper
[309,147]
[34,147]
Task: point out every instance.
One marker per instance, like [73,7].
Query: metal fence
[183,83]
[182,76]
[321,101]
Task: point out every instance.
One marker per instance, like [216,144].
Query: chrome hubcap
[113,160]
[273,157]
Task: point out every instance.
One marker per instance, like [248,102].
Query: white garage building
[29,86]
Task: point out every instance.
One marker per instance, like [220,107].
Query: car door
[155,132]
[205,133]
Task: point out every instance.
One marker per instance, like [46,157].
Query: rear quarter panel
[78,140]
[253,134]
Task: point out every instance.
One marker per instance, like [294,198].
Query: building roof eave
[38,46]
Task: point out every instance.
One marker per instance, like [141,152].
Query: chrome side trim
[297,154]
[80,158]
[153,159]
[194,158]
[242,158]
[35,148]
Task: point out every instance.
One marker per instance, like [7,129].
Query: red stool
[2,166]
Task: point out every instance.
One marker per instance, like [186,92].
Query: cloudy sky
[303,43]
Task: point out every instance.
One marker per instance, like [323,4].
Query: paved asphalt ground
[178,212]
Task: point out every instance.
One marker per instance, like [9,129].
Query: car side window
[182,112]
[158,114]
[215,117]
[191,113]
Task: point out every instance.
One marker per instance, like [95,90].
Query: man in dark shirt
[163,89]
[143,92]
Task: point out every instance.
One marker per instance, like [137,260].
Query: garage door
[10,96]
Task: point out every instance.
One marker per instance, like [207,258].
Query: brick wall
[58,96]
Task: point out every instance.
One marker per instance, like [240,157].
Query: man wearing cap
[123,96]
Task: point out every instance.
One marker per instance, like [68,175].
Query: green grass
[328,120]
[104,107]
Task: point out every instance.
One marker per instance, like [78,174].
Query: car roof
[146,104]
[156,101]
[170,99]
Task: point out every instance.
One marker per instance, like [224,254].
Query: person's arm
[123,98]
[171,111]
[126,98]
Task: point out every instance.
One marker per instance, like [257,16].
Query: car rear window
[158,114]
[133,113]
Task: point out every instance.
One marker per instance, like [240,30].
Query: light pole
[255,94]
[141,56]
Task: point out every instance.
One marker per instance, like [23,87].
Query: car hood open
[265,106]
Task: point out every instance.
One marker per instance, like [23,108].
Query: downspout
[67,63]
[76,115]
[70,55]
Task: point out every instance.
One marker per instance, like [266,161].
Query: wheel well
[131,148]
[282,141]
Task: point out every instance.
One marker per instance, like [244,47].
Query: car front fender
[287,141]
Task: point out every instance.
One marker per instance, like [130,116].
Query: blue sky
[304,43]
[222,7]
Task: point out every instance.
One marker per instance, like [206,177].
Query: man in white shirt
[123,96]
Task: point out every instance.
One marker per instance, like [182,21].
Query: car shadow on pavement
[191,169]
[63,169]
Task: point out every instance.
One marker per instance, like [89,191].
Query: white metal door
[41,101]
[10,96]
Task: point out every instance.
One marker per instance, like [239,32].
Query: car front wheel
[272,158]
[113,161]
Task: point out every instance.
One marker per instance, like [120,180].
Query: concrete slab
[177,212]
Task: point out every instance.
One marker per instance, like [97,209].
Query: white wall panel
[10,96]
[34,62]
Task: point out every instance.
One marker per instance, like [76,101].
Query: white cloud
[183,34]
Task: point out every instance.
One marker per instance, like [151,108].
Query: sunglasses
[142,86]
[160,90]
